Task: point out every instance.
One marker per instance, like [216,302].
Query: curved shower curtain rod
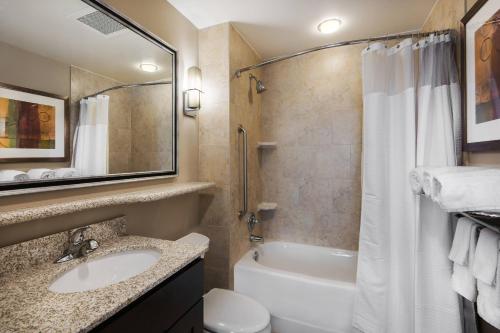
[132,85]
[345,43]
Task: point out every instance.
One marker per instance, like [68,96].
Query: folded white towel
[463,282]
[66,173]
[485,260]
[462,279]
[486,304]
[468,191]
[13,175]
[487,301]
[461,242]
[497,280]
[41,173]
[417,180]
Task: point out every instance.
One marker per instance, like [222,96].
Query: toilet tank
[195,239]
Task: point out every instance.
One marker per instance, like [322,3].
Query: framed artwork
[481,76]
[33,126]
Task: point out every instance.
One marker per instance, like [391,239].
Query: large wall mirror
[86,95]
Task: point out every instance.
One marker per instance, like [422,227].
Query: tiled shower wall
[151,123]
[228,102]
[313,110]
[245,109]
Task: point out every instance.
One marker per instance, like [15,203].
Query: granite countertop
[27,305]
[155,193]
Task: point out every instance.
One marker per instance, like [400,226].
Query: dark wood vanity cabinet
[174,306]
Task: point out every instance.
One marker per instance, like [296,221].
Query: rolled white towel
[431,174]
[41,173]
[417,180]
[66,173]
[468,191]
[13,175]
[427,182]
[485,263]
[462,279]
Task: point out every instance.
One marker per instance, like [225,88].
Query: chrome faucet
[77,246]
[252,221]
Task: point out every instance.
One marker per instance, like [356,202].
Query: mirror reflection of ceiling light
[150,68]
[329,26]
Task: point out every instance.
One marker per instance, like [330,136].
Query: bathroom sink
[104,271]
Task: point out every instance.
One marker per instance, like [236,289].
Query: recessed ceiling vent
[101,22]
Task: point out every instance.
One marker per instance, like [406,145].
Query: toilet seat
[228,312]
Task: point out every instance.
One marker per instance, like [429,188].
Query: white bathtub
[306,288]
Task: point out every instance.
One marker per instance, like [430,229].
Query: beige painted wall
[444,15]
[28,70]
[313,109]
[166,218]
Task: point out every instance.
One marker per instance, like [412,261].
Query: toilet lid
[228,312]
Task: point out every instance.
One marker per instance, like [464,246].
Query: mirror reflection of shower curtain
[90,143]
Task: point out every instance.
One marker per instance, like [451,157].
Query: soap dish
[267,206]
[266,145]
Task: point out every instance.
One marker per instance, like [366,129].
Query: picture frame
[34,125]
[480,37]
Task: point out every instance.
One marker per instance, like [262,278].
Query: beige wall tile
[313,109]
[245,109]
[214,152]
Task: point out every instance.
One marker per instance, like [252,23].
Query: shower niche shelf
[267,144]
[266,206]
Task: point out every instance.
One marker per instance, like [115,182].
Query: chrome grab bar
[244,209]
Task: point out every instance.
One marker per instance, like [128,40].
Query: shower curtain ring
[368,47]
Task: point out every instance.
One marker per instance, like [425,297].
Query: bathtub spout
[255,238]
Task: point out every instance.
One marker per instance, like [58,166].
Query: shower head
[259,85]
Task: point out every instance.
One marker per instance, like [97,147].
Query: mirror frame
[56,184]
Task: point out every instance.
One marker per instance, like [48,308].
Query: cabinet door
[192,322]
[161,308]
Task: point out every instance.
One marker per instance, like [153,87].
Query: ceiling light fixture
[148,67]
[329,26]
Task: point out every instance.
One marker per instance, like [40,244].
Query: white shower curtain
[386,258]
[438,144]
[90,143]
[403,274]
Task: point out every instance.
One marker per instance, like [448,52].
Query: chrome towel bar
[490,220]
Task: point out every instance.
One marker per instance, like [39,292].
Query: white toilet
[228,312]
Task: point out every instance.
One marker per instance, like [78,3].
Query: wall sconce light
[192,96]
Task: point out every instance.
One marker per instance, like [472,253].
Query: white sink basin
[105,271]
